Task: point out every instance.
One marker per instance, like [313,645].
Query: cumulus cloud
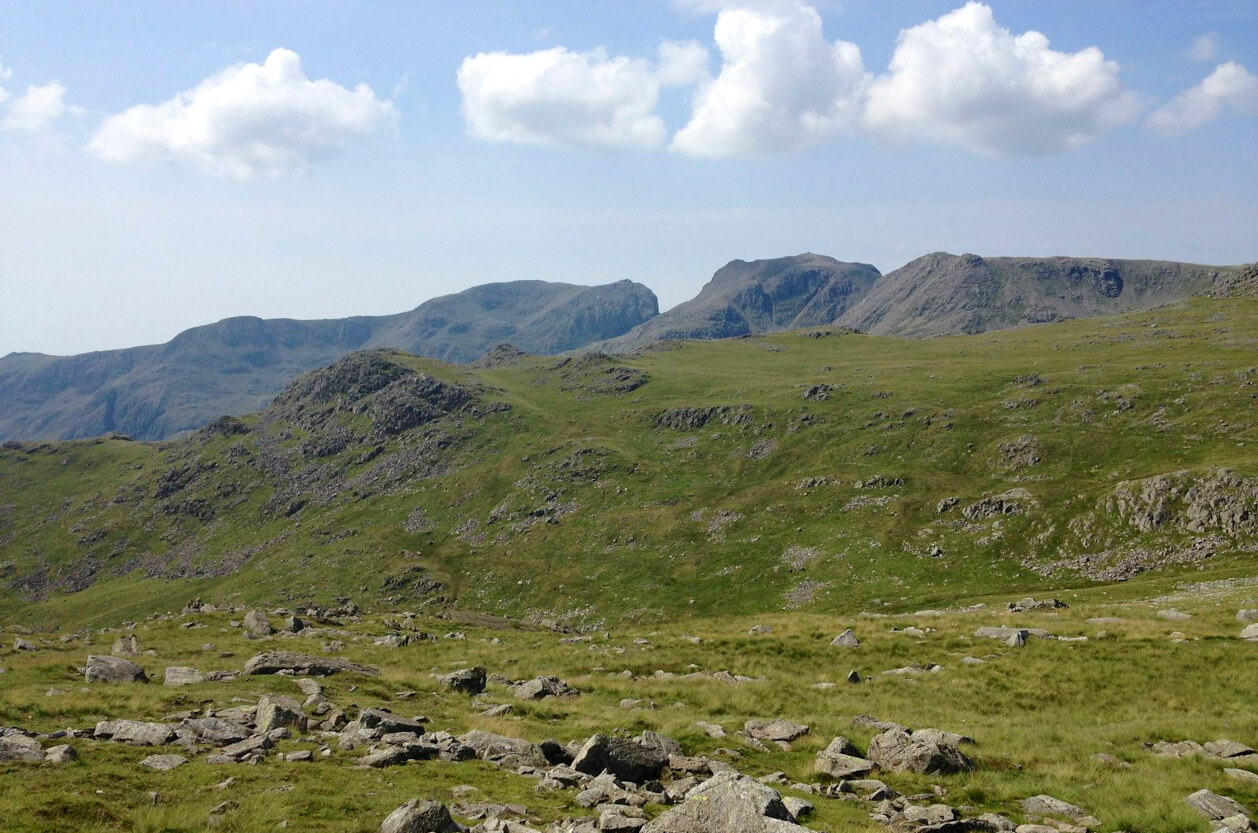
[1230,86]
[782,86]
[36,109]
[963,80]
[562,99]
[248,121]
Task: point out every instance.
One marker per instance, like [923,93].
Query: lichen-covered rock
[103,669]
[542,687]
[256,623]
[898,751]
[416,816]
[728,802]
[135,732]
[627,759]
[465,680]
[273,662]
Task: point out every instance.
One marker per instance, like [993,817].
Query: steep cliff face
[942,294]
[237,365]
[761,296]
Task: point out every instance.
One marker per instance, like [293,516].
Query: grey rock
[20,644]
[1224,748]
[464,681]
[62,754]
[1047,805]
[273,662]
[20,748]
[1177,749]
[135,732]
[163,763]
[1242,775]
[781,731]
[1250,632]
[416,816]
[1244,616]
[276,712]
[392,756]
[841,760]
[126,646]
[797,808]
[627,759]
[249,747]
[385,721]
[1214,806]
[897,751]
[542,687]
[728,802]
[256,623]
[847,639]
[216,731]
[177,675]
[104,669]
[512,752]
[1003,633]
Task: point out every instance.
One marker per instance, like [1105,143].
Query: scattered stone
[416,816]
[509,752]
[711,730]
[177,675]
[897,751]
[1224,748]
[760,630]
[62,754]
[275,662]
[163,763]
[276,712]
[1244,616]
[1216,807]
[1173,615]
[542,687]
[624,758]
[841,760]
[847,639]
[257,624]
[1250,632]
[135,732]
[1242,775]
[1177,749]
[104,669]
[778,731]
[1004,633]
[20,748]
[20,644]
[498,711]
[1047,805]
[1023,605]
[465,681]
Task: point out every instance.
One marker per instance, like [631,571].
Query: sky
[167,164]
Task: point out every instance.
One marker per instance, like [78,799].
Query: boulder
[274,712]
[841,760]
[163,763]
[273,662]
[897,751]
[1216,807]
[728,802]
[1224,748]
[177,675]
[1047,805]
[464,681]
[624,758]
[1250,632]
[847,639]
[103,669]
[20,748]
[215,730]
[504,750]
[20,644]
[778,731]
[135,732]
[386,722]
[256,624]
[541,687]
[417,816]
[62,754]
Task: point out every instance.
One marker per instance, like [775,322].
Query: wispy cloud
[1229,87]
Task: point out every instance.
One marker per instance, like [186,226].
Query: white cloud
[1205,47]
[963,80]
[562,99]
[5,73]
[1229,86]
[782,87]
[248,121]
[36,109]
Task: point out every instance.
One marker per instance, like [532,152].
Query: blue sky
[164,165]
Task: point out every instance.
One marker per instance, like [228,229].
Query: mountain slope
[763,296]
[722,477]
[942,294]
[239,364]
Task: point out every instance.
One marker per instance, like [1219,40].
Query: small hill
[761,296]
[237,365]
[941,294]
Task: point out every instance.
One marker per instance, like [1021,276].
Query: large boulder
[257,624]
[841,760]
[20,748]
[504,750]
[135,732]
[417,816]
[625,758]
[898,751]
[103,669]
[273,662]
[541,687]
[1214,806]
[177,675]
[728,802]
[464,681]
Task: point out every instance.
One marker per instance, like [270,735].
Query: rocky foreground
[612,780]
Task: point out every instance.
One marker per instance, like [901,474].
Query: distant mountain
[239,364]
[762,296]
[942,294]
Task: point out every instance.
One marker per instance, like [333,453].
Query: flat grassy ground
[1039,713]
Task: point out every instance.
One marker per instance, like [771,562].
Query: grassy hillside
[813,470]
